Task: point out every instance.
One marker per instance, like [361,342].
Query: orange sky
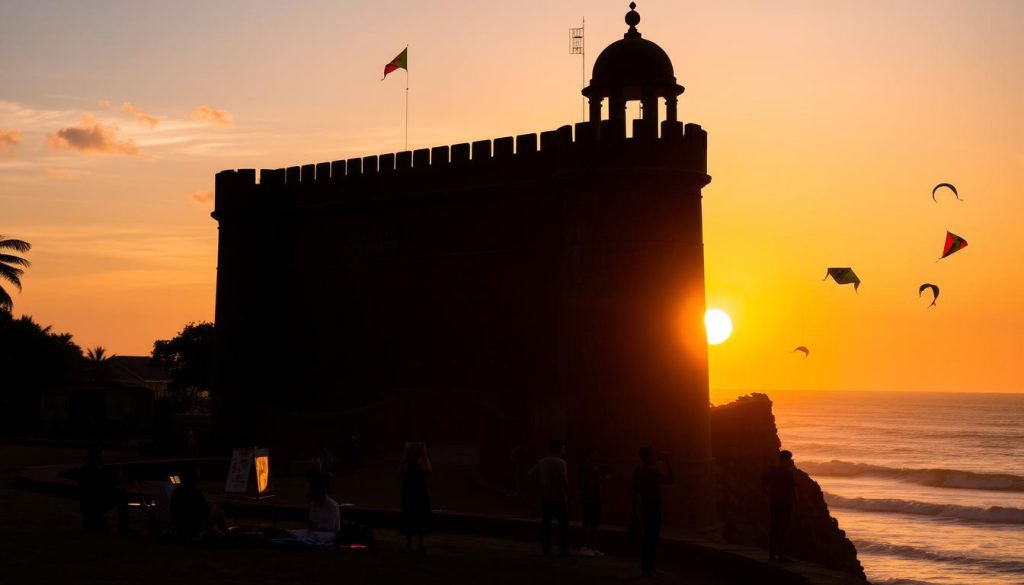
[828,125]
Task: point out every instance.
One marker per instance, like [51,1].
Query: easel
[249,479]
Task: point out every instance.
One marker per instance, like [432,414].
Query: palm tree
[97,356]
[9,270]
[99,363]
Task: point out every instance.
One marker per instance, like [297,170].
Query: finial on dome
[632,19]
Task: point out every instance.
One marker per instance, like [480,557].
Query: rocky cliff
[745,443]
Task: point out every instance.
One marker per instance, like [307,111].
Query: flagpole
[407,100]
[583,68]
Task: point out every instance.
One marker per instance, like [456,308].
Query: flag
[399,62]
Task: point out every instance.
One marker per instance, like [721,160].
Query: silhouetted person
[590,481]
[96,492]
[192,515]
[414,470]
[554,482]
[647,482]
[324,515]
[318,477]
[352,450]
[192,442]
[780,483]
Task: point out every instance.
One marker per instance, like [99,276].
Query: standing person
[413,471]
[780,483]
[96,492]
[590,480]
[554,483]
[647,482]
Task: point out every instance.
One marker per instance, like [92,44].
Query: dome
[632,61]
[633,65]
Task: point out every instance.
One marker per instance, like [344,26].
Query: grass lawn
[41,542]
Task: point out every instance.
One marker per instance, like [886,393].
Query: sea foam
[961,559]
[946,478]
[990,515]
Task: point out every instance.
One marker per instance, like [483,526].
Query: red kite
[954,243]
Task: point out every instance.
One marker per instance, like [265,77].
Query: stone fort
[498,292]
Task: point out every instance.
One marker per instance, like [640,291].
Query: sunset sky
[829,123]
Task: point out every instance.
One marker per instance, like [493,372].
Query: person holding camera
[647,482]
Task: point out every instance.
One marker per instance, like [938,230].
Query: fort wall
[501,291]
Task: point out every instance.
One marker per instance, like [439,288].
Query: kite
[845,276]
[935,292]
[954,243]
[948,186]
[805,351]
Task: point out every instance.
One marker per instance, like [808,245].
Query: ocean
[928,486]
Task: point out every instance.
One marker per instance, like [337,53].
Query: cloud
[148,120]
[220,118]
[202,196]
[92,137]
[9,139]
[61,174]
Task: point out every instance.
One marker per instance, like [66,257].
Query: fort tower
[497,293]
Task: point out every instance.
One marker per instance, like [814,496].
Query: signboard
[262,459]
[249,472]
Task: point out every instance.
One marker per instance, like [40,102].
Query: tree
[32,360]
[9,268]
[99,363]
[188,357]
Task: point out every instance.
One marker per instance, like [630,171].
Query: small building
[119,398]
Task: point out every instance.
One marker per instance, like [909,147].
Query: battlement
[466,165]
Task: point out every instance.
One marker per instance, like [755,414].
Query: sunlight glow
[718,326]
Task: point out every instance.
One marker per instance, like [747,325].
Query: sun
[718,325]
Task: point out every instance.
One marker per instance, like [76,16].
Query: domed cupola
[632,69]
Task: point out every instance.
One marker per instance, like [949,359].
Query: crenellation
[460,152]
[481,150]
[271,177]
[308,174]
[671,130]
[323,172]
[526,143]
[682,146]
[370,165]
[246,179]
[337,171]
[403,160]
[354,167]
[439,156]
[421,158]
[504,147]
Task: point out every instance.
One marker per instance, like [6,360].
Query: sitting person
[194,517]
[324,515]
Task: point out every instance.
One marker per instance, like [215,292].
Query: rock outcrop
[745,443]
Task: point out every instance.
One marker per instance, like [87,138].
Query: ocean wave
[899,581]
[990,515]
[945,478]
[913,552]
